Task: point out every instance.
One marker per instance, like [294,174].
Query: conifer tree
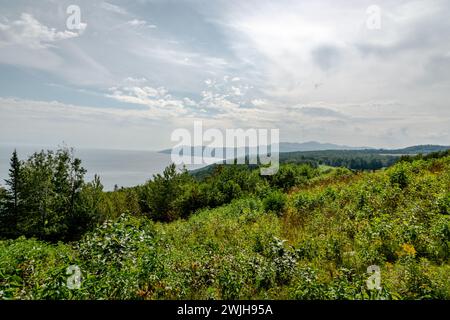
[12,210]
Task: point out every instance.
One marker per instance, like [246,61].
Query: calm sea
[115,167]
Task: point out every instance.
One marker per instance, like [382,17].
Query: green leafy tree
[41,219]
[160,196]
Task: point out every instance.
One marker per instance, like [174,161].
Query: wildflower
[407,250]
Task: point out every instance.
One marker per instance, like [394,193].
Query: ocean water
[115,167]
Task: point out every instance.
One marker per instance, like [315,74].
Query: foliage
[309,233]
[275,202]
[44,197]
[159,196]
[291,175]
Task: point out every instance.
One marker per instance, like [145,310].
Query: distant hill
[318,146]
[357,159]
[424,149]
[291,147]
[314,146]
[419,149]
[365,159]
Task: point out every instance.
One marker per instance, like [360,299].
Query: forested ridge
[356,159]
[308,232]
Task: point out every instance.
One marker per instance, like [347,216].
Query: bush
[275,202]
[27,267]
[113,257]
[290,175]
[115,243]
[308,286]
[444,203]
[399,176]
[305,202]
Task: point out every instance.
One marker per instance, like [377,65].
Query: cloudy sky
[133,71]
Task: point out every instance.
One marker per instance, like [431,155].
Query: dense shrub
[290,175]
[399,176]
[275,202]
[444,203]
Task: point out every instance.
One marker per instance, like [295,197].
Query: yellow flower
[407,250]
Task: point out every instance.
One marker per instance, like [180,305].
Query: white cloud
[29,32]
[156,99]
[140,23]
[259,102]
[219,100]
[113,8]
[236,91]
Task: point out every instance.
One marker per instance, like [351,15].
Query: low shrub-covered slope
[314,240]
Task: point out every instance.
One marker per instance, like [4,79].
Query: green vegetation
[351,159]
[45,198]
[364,159]
[307,232]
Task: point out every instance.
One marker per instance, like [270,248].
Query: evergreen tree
[13,198]
[14,182]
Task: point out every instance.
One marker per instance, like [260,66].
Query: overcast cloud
[136,70]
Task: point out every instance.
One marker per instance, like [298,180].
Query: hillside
[302,234]
[363,159]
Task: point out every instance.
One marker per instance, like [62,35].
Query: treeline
[351,159]
[178,194]
[47,197]
[433,155]
[359,160]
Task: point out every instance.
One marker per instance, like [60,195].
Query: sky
[128,73]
